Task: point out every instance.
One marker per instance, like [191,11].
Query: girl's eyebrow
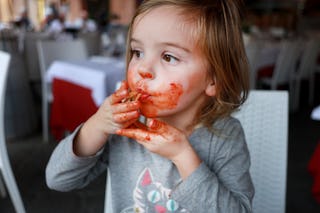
[135,40]
[175,45]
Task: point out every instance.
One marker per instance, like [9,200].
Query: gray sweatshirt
[142,181]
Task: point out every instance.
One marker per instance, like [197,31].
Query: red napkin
[72,105]
[266,71]
[314,169]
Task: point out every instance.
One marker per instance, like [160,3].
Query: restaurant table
[314,163]
[78,89]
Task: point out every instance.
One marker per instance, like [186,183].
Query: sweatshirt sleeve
[222,182]
[65,171]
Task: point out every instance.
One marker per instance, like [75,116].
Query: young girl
[186,73]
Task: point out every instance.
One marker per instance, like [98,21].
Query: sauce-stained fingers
[126,116]
[124,85]
[125,107]
[144,133]
[136,134]
[132,96]
[157,125]
[139,125]
[120,94]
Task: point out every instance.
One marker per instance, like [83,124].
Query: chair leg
[13,190]
[3,192]
[9,181]
[311,88]
[45,119]
[295,95]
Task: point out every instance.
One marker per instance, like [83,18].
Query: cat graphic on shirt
[152,197]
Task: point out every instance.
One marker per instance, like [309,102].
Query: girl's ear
[211,89]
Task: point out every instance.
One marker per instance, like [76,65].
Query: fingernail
[154,124]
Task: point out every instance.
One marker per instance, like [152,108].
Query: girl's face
[167,67]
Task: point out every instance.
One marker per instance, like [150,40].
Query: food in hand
[133,96]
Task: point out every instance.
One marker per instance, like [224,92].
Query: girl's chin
[154,113]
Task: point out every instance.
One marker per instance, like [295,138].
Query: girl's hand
[111,116]
[115,114]
[158,137]
[167,141]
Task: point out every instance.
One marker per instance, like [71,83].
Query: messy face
[167,68]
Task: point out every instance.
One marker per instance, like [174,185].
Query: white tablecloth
[101,78]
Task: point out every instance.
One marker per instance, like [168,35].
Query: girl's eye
[137,53]
[170,59]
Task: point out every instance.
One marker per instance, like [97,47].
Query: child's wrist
[88,140]
[186,162]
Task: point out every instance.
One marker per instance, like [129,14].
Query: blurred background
[282,41]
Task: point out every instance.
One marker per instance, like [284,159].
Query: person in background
[89,25]
[23,21]
[51,15]
[56,27]
[186,73]
[75,25]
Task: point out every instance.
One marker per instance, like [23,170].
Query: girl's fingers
[120,94]
[126,116]
[144,133]
[136,134]
[157,126]
[139,125]
[124,85]
[126,107]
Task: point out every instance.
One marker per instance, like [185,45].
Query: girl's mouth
[137,95]
[143,95]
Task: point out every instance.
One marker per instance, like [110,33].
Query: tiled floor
[29,158]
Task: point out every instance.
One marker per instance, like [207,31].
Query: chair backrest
[92,41]
[286,62]
[253,48]
[49,51]
[308,59]
[5,167]
[264,118]
[31,54]
[4,65]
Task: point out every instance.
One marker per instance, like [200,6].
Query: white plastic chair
[31,54]
[5,167]
[285,64]
[264,118]
[108,195]
[49,51]
[284,68]
[305,70]
[92,41]
[253,48]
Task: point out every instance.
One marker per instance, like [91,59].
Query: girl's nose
[145,74]
[146,68]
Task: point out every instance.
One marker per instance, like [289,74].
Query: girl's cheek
[194,81]
[130,78]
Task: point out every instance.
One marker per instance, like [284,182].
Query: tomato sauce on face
[146,75]
[162,100]
[153,102]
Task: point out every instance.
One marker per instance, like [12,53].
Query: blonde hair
[217,24]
